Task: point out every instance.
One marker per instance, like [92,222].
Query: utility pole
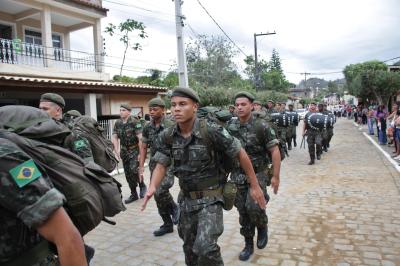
[182,69]
[305,81]
[256,69]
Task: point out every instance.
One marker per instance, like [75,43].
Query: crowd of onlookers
[381,122]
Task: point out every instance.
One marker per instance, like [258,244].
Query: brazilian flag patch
[25,173]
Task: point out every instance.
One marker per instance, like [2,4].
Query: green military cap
[74,113]
[245,94]
[271,101]
[54,98]
[187,93]
[257,102]
[290,104]
[156,102]
[313,103]
[231,106]
[126,106]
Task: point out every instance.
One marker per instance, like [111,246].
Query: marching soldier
[32,215]
[200,176]
[260,142]
[126,137]
[314,138]
[164,200]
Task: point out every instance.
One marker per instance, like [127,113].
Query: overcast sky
[317,36]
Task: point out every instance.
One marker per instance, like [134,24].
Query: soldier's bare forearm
[276,161]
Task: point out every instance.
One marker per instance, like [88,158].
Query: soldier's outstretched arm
[115,142]
[142,159]
[59,230]
[158,175]
[255,190]
[276,165]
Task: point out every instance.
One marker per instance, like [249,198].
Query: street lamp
[257,74]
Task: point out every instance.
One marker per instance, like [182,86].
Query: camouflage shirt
[127,132]
[27,199]
[256,138]
[151,132]
[195,167]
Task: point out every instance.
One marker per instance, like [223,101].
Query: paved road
[344,210]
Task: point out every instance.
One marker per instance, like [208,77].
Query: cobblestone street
[344,210]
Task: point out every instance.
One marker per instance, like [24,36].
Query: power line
[216,23]
[138,7]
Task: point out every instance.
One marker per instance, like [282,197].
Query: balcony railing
[21,53]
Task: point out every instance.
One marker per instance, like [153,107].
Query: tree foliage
[210,61]
[372,81]
[124,30]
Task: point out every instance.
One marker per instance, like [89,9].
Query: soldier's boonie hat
[187,93]
[54,98]
[156,102]
[126,106]
[73,113]
[245,94]
[257,102]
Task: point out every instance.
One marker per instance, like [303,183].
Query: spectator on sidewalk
[381,115]
[397,135]
[371,120]
[391,119]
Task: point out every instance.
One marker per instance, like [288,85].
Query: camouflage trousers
[291,135]
[330,134]
[162,196]
[314,141]
[131,164]
[250,214]
[200,230]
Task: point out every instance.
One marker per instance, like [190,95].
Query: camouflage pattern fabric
[127,134]
[201,221]
[22,209]
[163,197]
[250,214]
[200,231]
[314,139]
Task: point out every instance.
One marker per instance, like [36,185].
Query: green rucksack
[91,193]
[214,114]
[102,148]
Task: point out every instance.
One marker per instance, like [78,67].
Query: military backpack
[91,193]
[102,148]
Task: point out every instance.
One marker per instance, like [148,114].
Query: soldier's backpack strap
[204,134]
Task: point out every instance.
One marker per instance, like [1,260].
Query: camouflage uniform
[201,181]
[251,215]
[164,200]
[24,208]
[129,142]
[314,139]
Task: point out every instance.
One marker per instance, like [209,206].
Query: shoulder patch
[79,144]
[25,173]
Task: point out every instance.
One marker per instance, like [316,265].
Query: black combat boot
[248,249]
[318,156]
[325,148]
[175,213]
[294,142]
[311,162]
[166,228]
[143,190]
[289,146]
[262,237]
[133,197]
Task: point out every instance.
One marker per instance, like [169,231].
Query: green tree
[371,81]
[210,61]
[125,29]
[332,87]
[275,62]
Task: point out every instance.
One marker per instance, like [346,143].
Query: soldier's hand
[150,192]
[275,184]
[258,196]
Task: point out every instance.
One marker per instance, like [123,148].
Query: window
[35,37]
[5,32]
